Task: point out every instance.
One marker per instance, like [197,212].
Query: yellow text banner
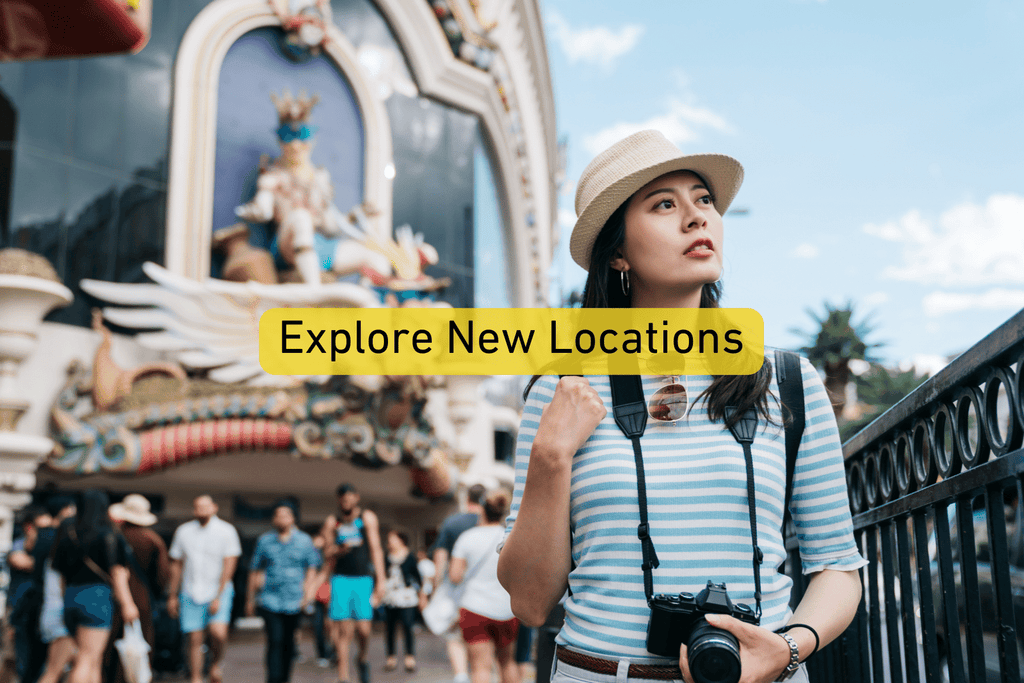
[511,341]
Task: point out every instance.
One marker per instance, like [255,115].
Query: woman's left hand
[763,654]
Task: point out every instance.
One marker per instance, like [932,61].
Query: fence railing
[936,492]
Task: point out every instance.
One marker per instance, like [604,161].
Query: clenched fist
[569,419]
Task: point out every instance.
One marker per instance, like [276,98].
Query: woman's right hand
[570,418]
[129,612]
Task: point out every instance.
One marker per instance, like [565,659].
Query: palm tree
[837,341]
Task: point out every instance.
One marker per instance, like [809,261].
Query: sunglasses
[669,402]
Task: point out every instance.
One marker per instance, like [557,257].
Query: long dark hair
[603,290]
[92,519]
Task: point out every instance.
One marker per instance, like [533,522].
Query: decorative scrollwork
[972,452]
[960,429]
[922,454]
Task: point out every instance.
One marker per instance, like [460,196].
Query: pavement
[244,660]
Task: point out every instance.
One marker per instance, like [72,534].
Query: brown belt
[610,666]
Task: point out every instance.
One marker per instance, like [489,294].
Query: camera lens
[713,655]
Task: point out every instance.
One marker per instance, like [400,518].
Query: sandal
[391,664]
[410,664]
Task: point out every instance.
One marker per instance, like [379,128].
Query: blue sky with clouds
[882,143]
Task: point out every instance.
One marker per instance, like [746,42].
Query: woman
[92,559]
[148,575]
[401,598]
[485,614]
[650,234]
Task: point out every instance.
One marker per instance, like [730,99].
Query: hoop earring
[624,281]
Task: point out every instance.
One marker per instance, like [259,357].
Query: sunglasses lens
[668,404]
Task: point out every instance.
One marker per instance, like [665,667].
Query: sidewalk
[244,661]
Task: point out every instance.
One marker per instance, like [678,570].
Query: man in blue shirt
[283,567]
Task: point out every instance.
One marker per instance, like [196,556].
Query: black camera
[713,655]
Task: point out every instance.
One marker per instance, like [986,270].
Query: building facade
[126,172]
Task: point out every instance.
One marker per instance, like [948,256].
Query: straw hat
[135,509]
[622,169]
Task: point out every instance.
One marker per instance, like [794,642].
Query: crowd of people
[82,569]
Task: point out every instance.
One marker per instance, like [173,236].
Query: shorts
[89,605]
[479,629]
[196,617]
[51,621]
[350,598]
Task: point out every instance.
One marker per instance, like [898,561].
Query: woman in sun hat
[649,232]
[148,573]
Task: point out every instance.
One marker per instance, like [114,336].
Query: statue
[305,23]
[296,195]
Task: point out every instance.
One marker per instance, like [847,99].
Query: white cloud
[681,125]
[941,303]
[805,250]
[971,244]
[566,219]
[593,44]
[923,363]
[875,299]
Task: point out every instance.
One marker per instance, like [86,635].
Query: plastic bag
[442,612]
[134,653]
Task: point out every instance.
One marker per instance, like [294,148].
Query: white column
[29,289]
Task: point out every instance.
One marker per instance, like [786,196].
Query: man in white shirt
[204,554]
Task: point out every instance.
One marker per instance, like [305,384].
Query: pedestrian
[148,574]
[204,554]
[92,558]
[23,600]
[355,563]
[650,233]
[47,664]
[452,527]
[401,598]
[524,652]
[485,612]
[283,570]
[427,571]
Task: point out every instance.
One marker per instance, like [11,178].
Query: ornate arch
[526,165]
[194,128]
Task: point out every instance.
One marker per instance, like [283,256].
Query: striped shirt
[698,512]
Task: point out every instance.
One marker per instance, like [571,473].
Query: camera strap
[630,412]
[743,430]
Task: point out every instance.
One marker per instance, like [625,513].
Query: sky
[882,145]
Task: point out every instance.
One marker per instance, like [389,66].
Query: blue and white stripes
[697,506]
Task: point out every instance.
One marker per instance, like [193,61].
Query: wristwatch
[794,659]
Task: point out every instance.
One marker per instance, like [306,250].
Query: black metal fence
[936,492]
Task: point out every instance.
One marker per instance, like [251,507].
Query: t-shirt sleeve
[121,551]
[541,393]
[232,545]
[445,538]
[820,502]
[312,554]
[463,547]
[176,552]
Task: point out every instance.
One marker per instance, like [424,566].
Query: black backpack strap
[791,392]
[630,412]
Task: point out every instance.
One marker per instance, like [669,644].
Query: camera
[713,654]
